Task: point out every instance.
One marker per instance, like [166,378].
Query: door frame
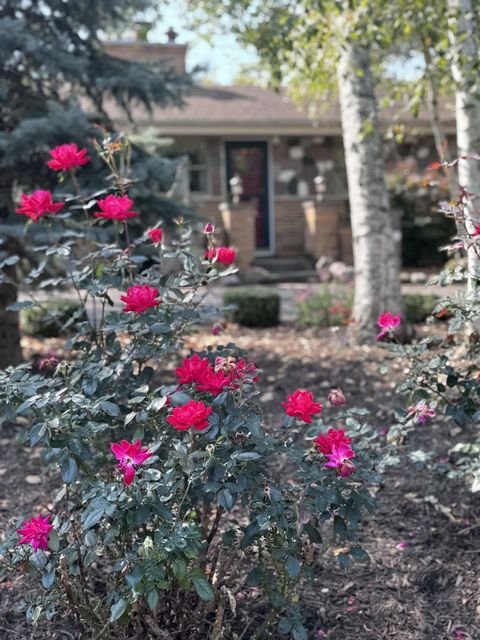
[270,250]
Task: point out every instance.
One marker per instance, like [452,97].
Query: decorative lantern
[236,188]
[320,186]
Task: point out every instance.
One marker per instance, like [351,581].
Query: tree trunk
[375,241]
[467,106]
[10,350]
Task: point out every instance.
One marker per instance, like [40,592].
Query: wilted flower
[421,412]
[38,204]
[35,532]
[116,208]
[129,455]
[402,545]
[192,414]
[49,363]
[387,323]
[140,297]
[156,235]
[336,397]
[301,405]
[66,157]
[216,329]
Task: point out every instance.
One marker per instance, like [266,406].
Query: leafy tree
[55,81]
[314,46]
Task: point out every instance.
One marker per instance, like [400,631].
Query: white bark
[375,241]
[465,46]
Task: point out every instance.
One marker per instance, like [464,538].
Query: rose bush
[443,378]
[177,499]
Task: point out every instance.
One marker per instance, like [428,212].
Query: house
[257,163]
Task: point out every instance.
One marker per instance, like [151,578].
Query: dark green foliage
[419,306]
[332,307]
[55,79]
[52,319]
[254,307]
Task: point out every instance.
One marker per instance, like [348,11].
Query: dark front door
[250,161]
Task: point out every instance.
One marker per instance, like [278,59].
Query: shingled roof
[248,109]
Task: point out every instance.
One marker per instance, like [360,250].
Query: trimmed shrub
[332,307]
[52,319]
[254,307]
[419,306]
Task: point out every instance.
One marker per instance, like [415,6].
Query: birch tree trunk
[463,38]
[375,241]
[10,350]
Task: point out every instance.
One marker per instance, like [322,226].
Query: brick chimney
[139,50]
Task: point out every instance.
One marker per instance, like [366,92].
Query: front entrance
[249,160]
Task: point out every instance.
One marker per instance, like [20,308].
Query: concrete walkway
[290,295]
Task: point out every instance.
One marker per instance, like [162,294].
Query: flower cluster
[227,372]
[335,446]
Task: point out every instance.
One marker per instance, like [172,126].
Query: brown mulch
[427,588]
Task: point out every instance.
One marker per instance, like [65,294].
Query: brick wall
[172,55]
[289,228]
[326,231]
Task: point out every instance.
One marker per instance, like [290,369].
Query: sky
[223,57]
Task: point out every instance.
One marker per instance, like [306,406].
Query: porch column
[239,229]
[326,233]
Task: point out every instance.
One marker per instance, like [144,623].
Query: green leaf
[94,517]
[118,608]
[293,567]
[110,408]
[203,588]
[153,599]
[53,540]
[248,455]
[179,568]
[69,470]
[48,579]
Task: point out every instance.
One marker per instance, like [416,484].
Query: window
[197,153]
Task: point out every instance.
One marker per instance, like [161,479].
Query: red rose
[222,255]
[325,441]
[140,297]
[155,235]
[301,405]
[38,204]
[212,382]
[192,369]
[66,157]
[193,414]
[116,208]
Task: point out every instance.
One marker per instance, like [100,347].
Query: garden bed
[422,580]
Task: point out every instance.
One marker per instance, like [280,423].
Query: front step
[280,265]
